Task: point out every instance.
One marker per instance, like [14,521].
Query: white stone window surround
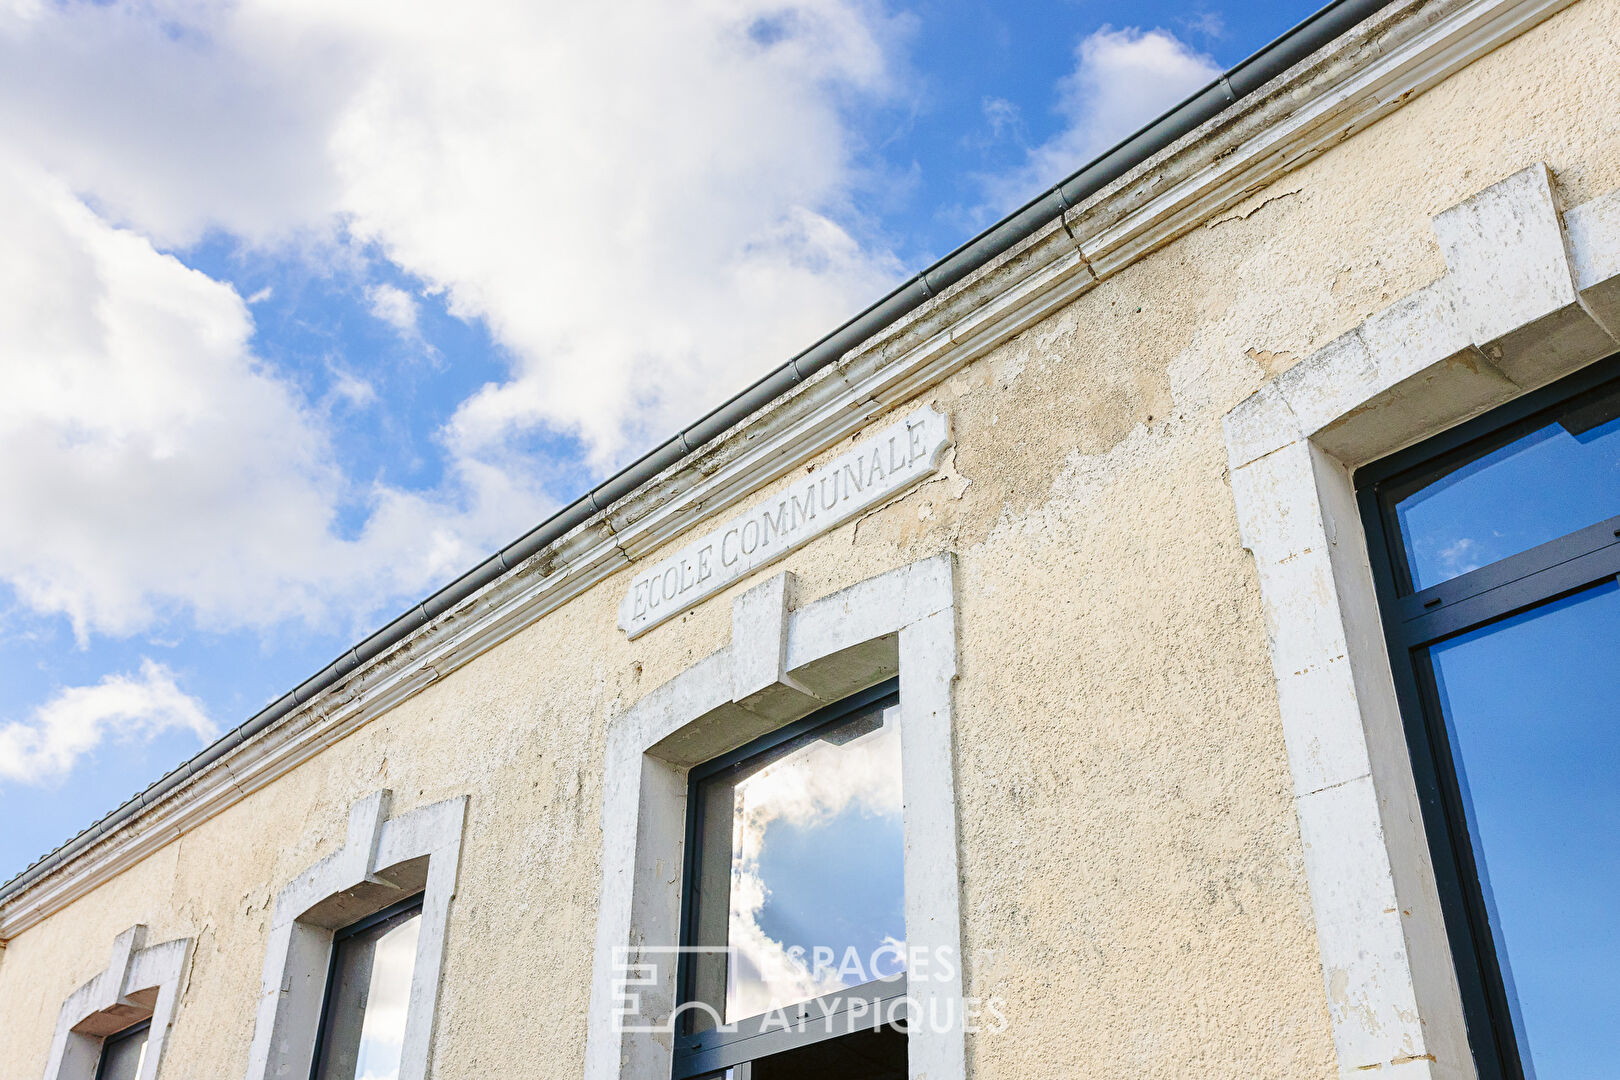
[783,664]
[1529,295]
[140,982]
[383,860]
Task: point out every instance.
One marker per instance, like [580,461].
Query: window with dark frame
[1495,549]
[368,989]
[123,1053]
[794,905]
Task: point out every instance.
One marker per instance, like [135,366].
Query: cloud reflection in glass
[800,868]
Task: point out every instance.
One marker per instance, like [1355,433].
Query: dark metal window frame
[142,1027]
[1414,621]
[410,903]
[702,1053]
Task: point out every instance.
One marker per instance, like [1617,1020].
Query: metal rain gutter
[1243,79]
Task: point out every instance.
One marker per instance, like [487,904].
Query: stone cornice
[1361,77]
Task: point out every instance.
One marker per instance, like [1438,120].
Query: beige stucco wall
[1132,878]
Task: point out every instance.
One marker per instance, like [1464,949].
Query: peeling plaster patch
[1035,343]
[956,484]
[955,488]
[1085,476]
[1272,363]
[967,381]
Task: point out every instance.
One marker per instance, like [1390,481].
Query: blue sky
[1549,846]
[310,306]
[1537,488]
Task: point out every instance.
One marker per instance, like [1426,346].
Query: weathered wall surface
[1132,871]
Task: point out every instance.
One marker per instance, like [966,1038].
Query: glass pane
[365,1009]
[122,1054]
[1544,485]
[866,1055]
[1531,707]
[801,870]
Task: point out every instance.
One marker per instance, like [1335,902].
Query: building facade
[1181,646]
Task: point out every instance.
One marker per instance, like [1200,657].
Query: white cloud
[811,786]
[351,389]
[635,197]
[156,463]
[1462,556]
[1208,23]
[641,200]
[175,115]
[1121,80]
[76,720]
[394,306]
